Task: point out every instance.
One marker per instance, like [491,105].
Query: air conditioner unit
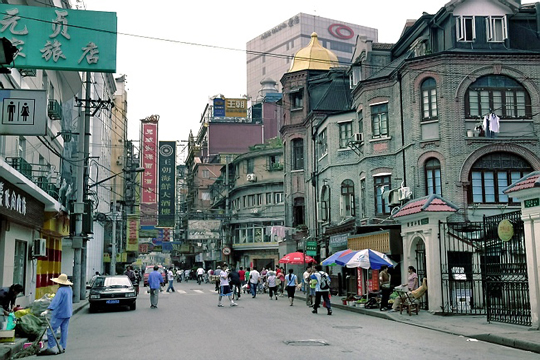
[358,137]
[255,211]
[251,177]
[40,248]
[393,197]
[404,193]
[119,161]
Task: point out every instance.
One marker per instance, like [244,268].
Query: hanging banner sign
[167,188]
[132,233]
[60,39]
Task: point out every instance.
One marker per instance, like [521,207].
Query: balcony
[19,164]
[55,110]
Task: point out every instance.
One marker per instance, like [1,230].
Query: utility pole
[113,241]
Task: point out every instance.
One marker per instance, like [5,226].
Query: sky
[178,54]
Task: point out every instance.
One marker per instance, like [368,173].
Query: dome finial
[314,57]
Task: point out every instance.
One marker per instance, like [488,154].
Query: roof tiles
[529,181]
[432,203]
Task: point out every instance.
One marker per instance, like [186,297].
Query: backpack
[325,281]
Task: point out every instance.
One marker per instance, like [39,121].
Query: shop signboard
[132,225]
[360,281]
[60,39]
[311,248]
[167,188]
[149,160]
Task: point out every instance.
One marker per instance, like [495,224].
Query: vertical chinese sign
[60,39]
[167,178]
[149,161]
[132,233]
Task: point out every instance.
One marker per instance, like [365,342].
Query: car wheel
[133,306]
[93,308]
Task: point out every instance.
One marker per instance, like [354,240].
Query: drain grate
[309,342]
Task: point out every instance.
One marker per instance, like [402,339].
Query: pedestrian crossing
[181,292]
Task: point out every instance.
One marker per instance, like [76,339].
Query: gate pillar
[527,191]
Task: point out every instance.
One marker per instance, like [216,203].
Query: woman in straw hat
[62,309]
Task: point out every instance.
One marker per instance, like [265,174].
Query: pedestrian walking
[253,282]
[242,274]
[280,282]
[292,283]
[272,286]
[234,282]
[217,273]
[154,283]
[61,307]
[170,279]
[305,280]
[200,274]
[225,289]
[322,289]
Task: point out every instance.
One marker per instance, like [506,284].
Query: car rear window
[110,281]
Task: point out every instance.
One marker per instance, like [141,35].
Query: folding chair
[408,303]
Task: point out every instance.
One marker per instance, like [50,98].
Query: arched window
[347,199]
[494,172]
[429,99]
[298,154]
[433,177]
[503,95]
[324,212]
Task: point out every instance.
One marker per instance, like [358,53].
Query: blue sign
[219,107]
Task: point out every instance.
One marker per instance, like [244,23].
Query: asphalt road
[189,325]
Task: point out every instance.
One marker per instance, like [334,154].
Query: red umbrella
[296,258]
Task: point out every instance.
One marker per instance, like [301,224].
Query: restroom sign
[24,112]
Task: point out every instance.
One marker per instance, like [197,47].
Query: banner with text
[167,188]
[149,158]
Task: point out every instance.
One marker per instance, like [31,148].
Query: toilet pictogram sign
[23,112]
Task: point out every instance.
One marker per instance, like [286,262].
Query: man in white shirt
[170,279]
[200,273]
[224,287]
[254,282]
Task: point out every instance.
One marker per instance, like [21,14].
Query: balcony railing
[21,165]
[55,110]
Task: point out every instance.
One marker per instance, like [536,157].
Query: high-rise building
[269,55]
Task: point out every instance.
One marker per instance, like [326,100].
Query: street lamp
[113,240]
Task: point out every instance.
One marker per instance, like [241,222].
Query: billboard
[236,108]
[219,107]
[167,178]
[149,161]
[132,233]
[60,39]
[24,112]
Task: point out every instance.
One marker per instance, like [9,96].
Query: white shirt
[223,278]
[200,271]
[254,276]
[170,275]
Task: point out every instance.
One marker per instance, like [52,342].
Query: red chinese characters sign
[149,161]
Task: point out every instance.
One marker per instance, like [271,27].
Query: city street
[188,324]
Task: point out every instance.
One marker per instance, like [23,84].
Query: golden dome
[313,57]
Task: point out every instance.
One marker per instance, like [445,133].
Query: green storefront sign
[531,203]
[311,248]
[60,39]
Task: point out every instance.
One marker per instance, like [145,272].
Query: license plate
[113,301]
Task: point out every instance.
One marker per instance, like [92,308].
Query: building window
[496,28]
[345,134]
[379,120]
[494,172]
[205,195]
[274,163]
[325,204]
[278,198]
[355,76]
[259,199]
[206,174]
[429,99]
[465,28]
[268,198]
[500,94]
[382,183]
[298,154]
[297,100]
[433,177]
[298,212]
[347,199]
[322,144]
[363,197]
[250,166]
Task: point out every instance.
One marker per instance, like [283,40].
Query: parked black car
[112,291]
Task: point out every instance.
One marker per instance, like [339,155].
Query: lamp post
[114,212]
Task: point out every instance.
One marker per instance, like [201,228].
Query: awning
[23,183]
[379,241]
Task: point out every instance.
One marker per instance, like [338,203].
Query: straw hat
[62,280]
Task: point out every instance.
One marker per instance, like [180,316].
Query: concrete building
[269,55]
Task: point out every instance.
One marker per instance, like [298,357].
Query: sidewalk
[470,326]
[9,349]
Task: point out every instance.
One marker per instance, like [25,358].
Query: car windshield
[112,282]
[150,269]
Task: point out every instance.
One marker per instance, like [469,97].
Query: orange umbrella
[296,258]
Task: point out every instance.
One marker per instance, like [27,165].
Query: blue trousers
[253,289]
[55,324]
[171,287]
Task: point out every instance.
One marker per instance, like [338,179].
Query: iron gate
[461,269]
[482,274]
[505,272]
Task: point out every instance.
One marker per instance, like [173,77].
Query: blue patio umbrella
[343,255]
[366,259]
